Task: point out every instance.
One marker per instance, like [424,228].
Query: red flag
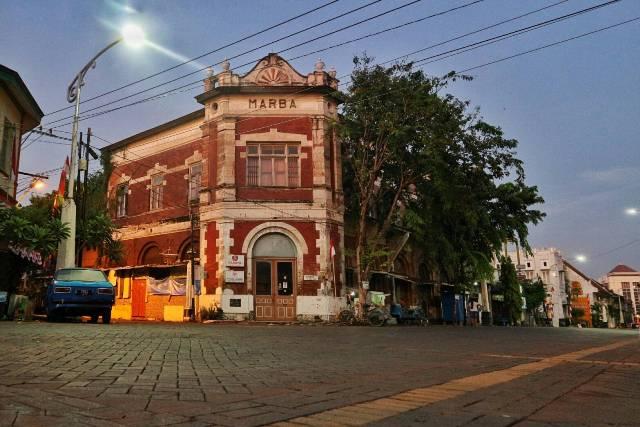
[62,185]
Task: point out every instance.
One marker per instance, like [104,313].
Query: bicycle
[374,315]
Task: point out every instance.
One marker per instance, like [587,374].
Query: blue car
[80,292]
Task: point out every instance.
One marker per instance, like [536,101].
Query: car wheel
[106,317]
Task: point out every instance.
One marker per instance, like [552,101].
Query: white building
[548,265]
[589,292]
[625,281]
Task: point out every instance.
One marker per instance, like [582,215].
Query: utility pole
[87,151]
[67,247]
[194,220]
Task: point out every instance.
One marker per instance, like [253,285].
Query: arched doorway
[274,263]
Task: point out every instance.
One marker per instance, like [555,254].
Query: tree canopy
[423,161]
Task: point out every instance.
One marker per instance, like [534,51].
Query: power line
[279,24]
[519,31]
[550,45]
[258,48]
[497,24]
[485,41]
[139,161]
[489,63]
[241,54]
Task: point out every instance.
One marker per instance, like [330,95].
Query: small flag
[62,185]
[332,251]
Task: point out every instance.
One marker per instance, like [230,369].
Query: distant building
[625,281]
[19,113]
[592,297]
[548,265]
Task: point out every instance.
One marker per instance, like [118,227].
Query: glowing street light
[632,211]
[581,258]
[38,184]
[133,36]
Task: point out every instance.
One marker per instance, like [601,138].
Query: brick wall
[174,191]
[170,242]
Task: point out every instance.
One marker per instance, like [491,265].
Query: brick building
[257,173]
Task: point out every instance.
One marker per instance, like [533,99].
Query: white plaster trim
[274,227]
[274,136]
[147,230]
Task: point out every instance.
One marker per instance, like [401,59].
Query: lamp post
[133,36]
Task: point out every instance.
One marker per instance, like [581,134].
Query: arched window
[151,255]
[274,245]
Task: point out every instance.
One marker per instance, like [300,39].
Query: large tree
[95,227]
[424,161]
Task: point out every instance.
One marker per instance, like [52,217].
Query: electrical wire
[481,43]
[260,32]
[241,54]
[395,9]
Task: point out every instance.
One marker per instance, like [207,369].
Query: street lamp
[133,36]
[632,211]
[36,183]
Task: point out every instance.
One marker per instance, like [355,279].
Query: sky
[573,107]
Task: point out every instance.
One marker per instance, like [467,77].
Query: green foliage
[422,160]
[511,290]
[211,313]
[19,228]
[596,315]
[97,233]
[534,293]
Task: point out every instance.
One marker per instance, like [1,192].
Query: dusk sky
[573,107]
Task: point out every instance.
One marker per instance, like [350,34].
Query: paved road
[147,374]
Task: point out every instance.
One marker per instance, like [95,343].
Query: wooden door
[274,290]
[138,297]
[263,290]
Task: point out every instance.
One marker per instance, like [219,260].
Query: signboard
[234,276]
[310,277]
[365,285]
[235,261]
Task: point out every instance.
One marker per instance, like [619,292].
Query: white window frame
[259,155]
[122,200]
[155,192]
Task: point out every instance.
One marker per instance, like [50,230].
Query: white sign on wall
[310,277]
[234,276]
[235,260]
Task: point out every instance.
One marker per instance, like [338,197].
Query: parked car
[79,292]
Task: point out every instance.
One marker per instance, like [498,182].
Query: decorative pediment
[272,70]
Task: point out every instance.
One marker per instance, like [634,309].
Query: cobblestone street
[190,374]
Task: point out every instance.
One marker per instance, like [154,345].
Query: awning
[139,267]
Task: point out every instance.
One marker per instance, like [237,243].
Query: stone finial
[319,65]
[209,72]
[226,65]
[332,72]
